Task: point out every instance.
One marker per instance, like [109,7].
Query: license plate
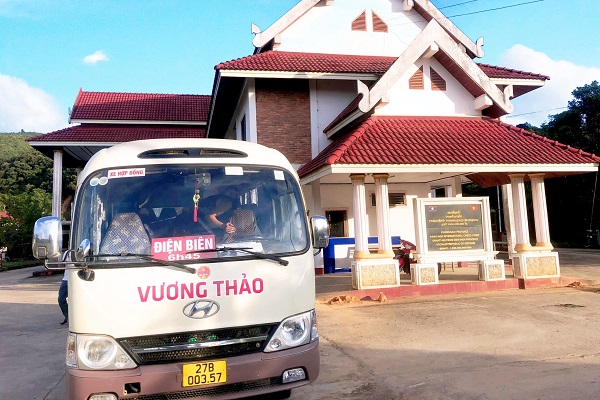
[204,373]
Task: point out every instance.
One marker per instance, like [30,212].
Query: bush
[23,210]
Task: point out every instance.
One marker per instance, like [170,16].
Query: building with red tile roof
[381,97]
[107,118]
[479,144]
[185,109]
[388,97]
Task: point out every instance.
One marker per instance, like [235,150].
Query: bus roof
[186,151]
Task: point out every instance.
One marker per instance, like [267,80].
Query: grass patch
[12,265]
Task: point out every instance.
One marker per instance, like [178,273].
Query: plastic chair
[126,234]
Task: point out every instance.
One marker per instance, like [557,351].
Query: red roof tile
[508,73]
[282,61]
[443,140]
[105,133]
[140,107]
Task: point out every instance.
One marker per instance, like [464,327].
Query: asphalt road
[517,344]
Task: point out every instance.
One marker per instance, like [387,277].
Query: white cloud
[550,99]
[95,58]
[28,108]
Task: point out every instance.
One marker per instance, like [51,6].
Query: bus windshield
[181,213]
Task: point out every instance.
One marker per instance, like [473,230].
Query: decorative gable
[416,81]
[437,82]
[360,23]
[378,24]
[321,26]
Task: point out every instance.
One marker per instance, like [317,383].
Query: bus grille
[213,391]
[198,345]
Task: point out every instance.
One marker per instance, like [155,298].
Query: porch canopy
[427,149]
[79,143]
[409,149]
[109,118]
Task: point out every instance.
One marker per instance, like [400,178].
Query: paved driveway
[517,344]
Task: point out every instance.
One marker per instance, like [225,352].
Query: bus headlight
[294,331]
[93,352]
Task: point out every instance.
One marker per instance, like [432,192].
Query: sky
[49,49]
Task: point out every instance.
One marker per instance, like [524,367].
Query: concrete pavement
[577,265]
[514,344]
[32,342]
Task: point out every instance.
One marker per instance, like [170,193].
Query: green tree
[528,127]
[14,145]
[579,125]
[571,204]
[26,185]
[24,209]
[23,168]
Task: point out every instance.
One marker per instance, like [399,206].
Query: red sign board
[181,248]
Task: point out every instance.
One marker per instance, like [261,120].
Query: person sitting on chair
[244,222]
[214,213]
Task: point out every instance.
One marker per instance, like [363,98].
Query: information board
[454,227]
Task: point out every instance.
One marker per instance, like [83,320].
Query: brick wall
[283,117]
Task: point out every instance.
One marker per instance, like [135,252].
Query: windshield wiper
[245,250]
[149,258]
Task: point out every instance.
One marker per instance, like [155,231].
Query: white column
[382,199]
[359,204]
[57,184]
[540,212]
[520,213]
[316,198]
[457,187]
[509,218]
[317,209]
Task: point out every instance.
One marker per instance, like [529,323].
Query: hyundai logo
[201,309]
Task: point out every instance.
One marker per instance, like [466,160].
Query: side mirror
[320,232]
[83,250]
[47,238]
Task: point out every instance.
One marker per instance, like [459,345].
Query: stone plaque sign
[454,227]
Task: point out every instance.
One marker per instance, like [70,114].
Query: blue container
[329,251]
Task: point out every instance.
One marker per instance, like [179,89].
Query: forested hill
[23,168]
[13,145]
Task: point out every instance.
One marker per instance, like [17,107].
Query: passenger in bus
[244,222]
[216,210]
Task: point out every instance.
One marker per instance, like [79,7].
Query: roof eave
[343,123]
[135,122]
[262,38]
[518,82]
[462,168]
[70,143]
[211,110]
[297,75]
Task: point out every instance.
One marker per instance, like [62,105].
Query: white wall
[339,197]
[327,29]
[455,101]
[246,107]
[327,100]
